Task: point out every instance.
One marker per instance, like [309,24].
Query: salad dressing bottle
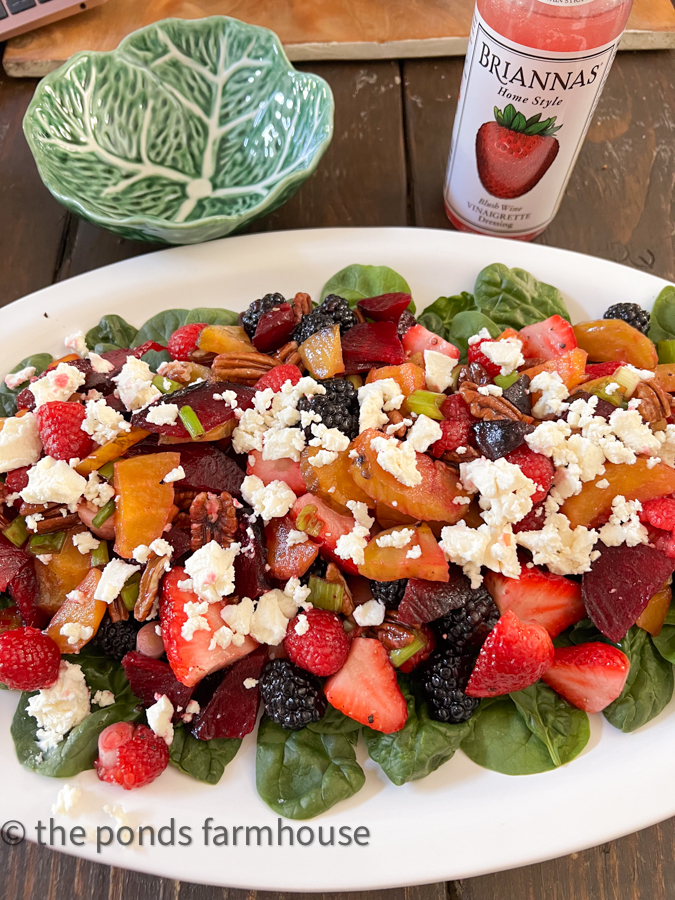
[532,78]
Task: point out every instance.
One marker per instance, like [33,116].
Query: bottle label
[520,122]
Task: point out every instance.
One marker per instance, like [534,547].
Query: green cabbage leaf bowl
[184,133]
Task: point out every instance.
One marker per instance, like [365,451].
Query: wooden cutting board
[309,29]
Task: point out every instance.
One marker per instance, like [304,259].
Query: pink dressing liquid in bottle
[533,74]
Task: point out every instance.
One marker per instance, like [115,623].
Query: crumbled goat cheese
[211,570]
[134,384]
[376,400]
[298,593]
[191,710]
[99,365]
[624,526]
[103,698]
[66,800]
[505,491]
[85,542]
[268,622]
[77,343]
[103,422]
[57,384]
[438,369]
[328,438]
[159,546]
[483,335]
[423,434]
[222,637]
[163,414]
[487,546]
[250,683]
[97,490]
[53,481]
[159,719]
[414,552]
[396,539]
[633,432]
[323,458]
[238,616]
[229,397]
[602,484]
[369,613]
[270,501]
[490,390]
[114,577]
[14,379]
[302,625]
[20,443]
[76,632]
[176,474]
[32,521]
[565,551]
[553,394]
[296,537]
[352,545]
[59,708]
[398,458]
[196,620]
[643,374]
[506,353]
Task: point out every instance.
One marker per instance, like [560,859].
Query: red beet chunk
[144,348]
[25,399]
[179,540]
[386,307]
[12,560]
[620,585]
[24,591]
[211,413]
[371,343]
[148,677]
[117,358]
[425,601]
[250,574]
[233,709]
[274,328]
[208,469]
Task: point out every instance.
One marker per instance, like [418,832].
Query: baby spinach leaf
[160,327]
[465,325]
[662,319]
[212,316]
[8,396]
[515,298]
[420,747]
[300,774]
[334,722]
[438,317]
[562,728]
[649,686]
[102,673]
[111,330]
[357,282]
[665,642]
[203,760]
[154,358]
[585,631]
[104,348]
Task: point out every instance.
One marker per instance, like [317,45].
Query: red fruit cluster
[535,466]
[17,479]
[131,756]
[60,427]
[660,513]
[456,427]
[277,377]
[476,355]
[323,648]
[29,659]
[184,340]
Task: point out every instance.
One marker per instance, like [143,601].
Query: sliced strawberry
[192,660]
[476,355]
[515,655]
[324,526]
[269,470]
[365,688]
[418,339]
[548,339]
[538,596]
[589,676]
[535,466]
[287,561]
[601,370]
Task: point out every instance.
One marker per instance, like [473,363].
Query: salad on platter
[437,531]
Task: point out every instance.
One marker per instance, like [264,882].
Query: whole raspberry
[660,513]
[60,427]
[130,756]
[535,466]
[17,479]
[29,659]
[456,427]
[476,355]
[315,641]
[184,340]
[277,377]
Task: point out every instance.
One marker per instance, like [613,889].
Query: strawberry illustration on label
[514,153]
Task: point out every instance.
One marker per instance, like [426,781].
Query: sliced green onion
[505,381]
[627,379]
[107,471]
[46,543]
[100,556]
[455,377]
[666,351]
[166,385]
[615,395]
[193,426]
[426,403]
[356,380]
[325,595]
[308,521]
[129,592]
[16,531]
[104,514]
[403,654]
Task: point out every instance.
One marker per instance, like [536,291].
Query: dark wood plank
[361,180]
[618,204]
[31,221]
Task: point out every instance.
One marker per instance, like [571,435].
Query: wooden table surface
[385,167]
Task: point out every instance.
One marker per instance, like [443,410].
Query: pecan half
[393,635]
[360,318]
[335,576]
[288,355]
[242,368]
[201,357]
[395,418]
[489,407]
[148,589]
[453,456]
[118,611]
[302,305]
[655,403]
[213,518]
[54,517]
[475,374]
[183,498]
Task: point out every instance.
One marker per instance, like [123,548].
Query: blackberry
[338,408]
[406,321]
[389,592]
[292,697]
[632,313]
[310,324]
[116,639]
[445,676]
[464,630]
[257,310]
[318,568]
[339,311]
